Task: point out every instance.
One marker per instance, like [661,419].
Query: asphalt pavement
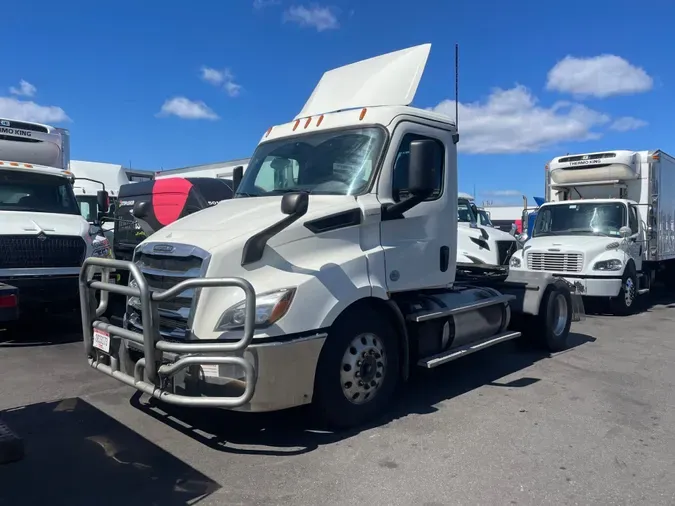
[592,425]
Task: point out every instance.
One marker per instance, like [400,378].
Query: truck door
[419,249]
[636,245]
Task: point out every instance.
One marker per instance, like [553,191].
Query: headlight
[514,262]
[608,265]
[269,308]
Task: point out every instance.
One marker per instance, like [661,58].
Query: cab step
[462,351]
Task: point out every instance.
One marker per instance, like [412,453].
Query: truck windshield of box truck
[36,192]
[604,218]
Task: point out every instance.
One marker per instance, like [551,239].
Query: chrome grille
[555,262]
[163,272]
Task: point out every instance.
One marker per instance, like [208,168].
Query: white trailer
[43,237]
[608,224]
[323,284]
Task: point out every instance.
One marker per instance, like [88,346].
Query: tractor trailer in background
[330,274]
[607,226]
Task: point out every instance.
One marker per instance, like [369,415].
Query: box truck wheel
[624,303]
[358,369]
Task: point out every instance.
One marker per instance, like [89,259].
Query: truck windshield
[464,212]
[38,193]
[581,219]
[340,162]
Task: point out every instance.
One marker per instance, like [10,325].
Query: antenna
[455,138]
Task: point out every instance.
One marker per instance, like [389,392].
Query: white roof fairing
[386,80]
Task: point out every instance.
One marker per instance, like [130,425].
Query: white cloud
[504,193]
[25,110]
[511,121]
[600,76]
[187,109]
[316,16]
[261,4]
[25,89]
[223,78]
[627,123]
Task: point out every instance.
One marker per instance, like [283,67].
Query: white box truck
[43,237]
[328,276]
[607,226]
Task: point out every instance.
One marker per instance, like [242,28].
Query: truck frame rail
[150,376]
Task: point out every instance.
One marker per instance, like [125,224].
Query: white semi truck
[608,224]
[43,237]
[478,244]
[324,284]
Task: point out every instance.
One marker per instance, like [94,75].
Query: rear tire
[358,370]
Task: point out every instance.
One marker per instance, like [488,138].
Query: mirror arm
[395,211]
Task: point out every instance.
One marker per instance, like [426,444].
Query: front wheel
[358,370]
[624,303]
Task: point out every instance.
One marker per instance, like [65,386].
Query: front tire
[625,303]
[358,370]
[549,330]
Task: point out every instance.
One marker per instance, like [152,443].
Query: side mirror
[141,209]
[102,201]
[237,174]
[625,232]
[295,203]
[424,155]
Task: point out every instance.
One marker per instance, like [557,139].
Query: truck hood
[243,217]
[27,223]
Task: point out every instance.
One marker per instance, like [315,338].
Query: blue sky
[537,79]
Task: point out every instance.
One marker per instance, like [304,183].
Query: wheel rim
[629,292]
[560,313]
[363,368]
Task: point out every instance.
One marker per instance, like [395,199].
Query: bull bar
[148,377]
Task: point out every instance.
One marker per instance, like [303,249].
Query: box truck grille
[505,249]
[555,262]
[163,272]
[30,252]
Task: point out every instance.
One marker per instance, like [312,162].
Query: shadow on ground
[77,455]
[660,297]
[296,431]
[42,330]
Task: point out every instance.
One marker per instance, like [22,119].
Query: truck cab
[590,231]
[478,244]
[330,274]
[43,237]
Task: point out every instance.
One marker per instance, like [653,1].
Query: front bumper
[54,292]
[595,286]
[244,375]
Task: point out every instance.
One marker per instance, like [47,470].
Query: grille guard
[148,377]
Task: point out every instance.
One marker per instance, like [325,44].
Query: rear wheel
[358,370]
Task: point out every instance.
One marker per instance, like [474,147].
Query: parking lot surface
[592,425]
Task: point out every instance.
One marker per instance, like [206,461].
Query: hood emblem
[554,249]
[163,248]
[41,237]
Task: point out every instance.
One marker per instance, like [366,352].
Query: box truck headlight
[270,307]
[608,265]
[514,262]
